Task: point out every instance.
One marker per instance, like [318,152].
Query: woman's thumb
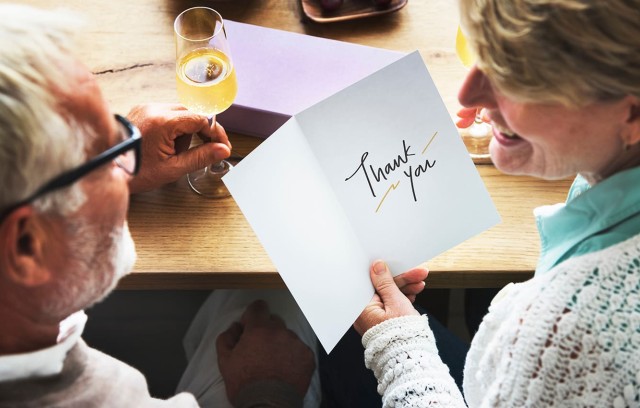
[383,283]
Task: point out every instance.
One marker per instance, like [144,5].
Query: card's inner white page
[286,198]
[397,165]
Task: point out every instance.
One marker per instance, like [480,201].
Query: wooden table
[186,242]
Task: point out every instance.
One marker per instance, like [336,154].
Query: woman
[560,82]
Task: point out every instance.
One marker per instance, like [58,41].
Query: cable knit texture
[570,338]
[400,352]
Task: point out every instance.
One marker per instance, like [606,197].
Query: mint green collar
[592,219]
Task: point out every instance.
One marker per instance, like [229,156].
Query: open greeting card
[375,171]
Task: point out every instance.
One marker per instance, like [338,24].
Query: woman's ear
[21,241]
[632,135]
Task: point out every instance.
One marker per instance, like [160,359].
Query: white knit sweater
[569,338]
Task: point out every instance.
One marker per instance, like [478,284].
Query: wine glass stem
[217,167]
[478,118]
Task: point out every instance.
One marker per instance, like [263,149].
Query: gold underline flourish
[430,140]
[391,187]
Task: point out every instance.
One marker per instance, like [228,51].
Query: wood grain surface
[187,242]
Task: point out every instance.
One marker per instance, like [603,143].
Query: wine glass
[206,82]
[477,135]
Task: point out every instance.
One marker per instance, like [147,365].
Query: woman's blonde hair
[568,51]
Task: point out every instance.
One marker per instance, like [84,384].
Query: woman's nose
[476,91]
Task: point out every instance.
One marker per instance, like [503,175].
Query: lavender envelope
[281,74]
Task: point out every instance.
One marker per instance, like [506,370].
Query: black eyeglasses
[125,154]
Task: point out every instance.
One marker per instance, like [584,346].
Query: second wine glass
[477,135]
[206,82]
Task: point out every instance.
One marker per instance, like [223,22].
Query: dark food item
[348,9]
[382,3]
[331,5]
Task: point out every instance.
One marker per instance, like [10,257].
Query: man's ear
[21,242]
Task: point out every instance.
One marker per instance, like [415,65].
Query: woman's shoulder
[580,322]
[604,278]
[600,283]
[616,263]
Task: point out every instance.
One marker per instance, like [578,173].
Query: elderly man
[67,167]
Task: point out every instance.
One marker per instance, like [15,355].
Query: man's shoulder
[89,378]
[116,381]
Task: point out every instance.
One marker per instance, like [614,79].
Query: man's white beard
[94,272]
[123,257]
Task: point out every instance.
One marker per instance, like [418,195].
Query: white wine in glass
[206,82]
[477,136]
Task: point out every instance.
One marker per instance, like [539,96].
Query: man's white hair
[38,139]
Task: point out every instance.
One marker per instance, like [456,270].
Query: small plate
[349,10]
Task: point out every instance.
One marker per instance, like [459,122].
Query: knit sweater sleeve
[402,354]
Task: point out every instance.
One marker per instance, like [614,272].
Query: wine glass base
[478,147]
[208,182]
[476,139]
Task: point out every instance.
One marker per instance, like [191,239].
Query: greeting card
[375,171]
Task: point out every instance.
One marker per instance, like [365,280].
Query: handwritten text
[375,174]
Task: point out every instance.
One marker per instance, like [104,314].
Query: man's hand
[389,300]
[261,347]
[166,135]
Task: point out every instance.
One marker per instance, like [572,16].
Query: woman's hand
[411,283]
[166,135]
[468,116]
[393,298]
